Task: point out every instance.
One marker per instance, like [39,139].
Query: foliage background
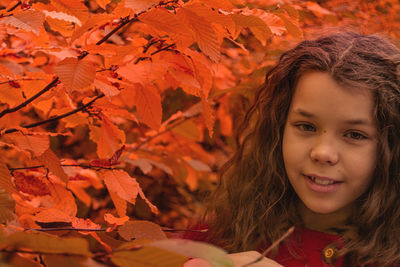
[115,115]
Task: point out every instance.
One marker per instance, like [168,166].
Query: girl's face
[329,144]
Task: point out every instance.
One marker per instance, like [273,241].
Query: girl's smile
[329,144]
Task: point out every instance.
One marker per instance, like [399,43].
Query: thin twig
[65,229]
[26,102]
[268,250]
[62,165]
[15,6]
[55,118]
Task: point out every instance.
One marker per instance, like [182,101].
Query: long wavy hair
[254,202]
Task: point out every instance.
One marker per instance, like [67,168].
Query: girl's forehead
[318,93]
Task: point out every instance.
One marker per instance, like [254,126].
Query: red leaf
[31,184]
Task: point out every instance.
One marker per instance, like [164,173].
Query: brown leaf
[141,230]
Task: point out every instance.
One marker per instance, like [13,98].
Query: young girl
[318,150]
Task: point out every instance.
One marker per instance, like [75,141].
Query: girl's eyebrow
[351,121]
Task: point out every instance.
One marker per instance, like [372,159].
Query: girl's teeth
[321,182]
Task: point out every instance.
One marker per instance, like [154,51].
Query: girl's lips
[330,187]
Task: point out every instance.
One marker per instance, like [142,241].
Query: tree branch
[125,21]
[55,118]
[62,165]
[15,6]
[26,102]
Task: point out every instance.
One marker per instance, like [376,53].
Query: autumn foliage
[115,116]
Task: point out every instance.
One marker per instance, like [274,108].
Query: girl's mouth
[322,184]
[321,181]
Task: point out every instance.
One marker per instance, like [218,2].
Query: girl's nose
[324,152]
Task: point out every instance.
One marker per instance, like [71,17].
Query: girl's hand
[239,259]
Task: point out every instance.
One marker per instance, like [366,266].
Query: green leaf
[45,243]
[68,261]
[148,257]
[195,249]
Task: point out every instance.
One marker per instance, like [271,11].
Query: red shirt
[306,247]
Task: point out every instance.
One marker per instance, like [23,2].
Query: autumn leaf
[31,184]
[51,161]
[125,186]
[69,260]
[75,74]
[148,104]
[72,7]
[29,20]
[119,203]
[41,242]
[140,5]
[167,22]
[141,230]
[194,249]
[36,144]
[7,207]
[204,33]
[111,219]
[110,138]
[106,87]
[5,179]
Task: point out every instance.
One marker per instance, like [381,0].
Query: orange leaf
[101,82]
[5,179]
[51,161]
[140,5]
[103,3]
[110,138]
[119,203]
[65,28]
[10,95]
[28,20]
[36,144]
[84,224]
[109,218]
[93,21]
[72,7]
[167,22]
[148,104]
[121,183]
[317,9]
[141,230]
[63,199]
[125,186]
[79,192]
[204,33]
[75,74]
[50,215]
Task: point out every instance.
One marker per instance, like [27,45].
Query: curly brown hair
[254,201]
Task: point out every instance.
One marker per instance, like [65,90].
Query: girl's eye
[355,135]
[305,127]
